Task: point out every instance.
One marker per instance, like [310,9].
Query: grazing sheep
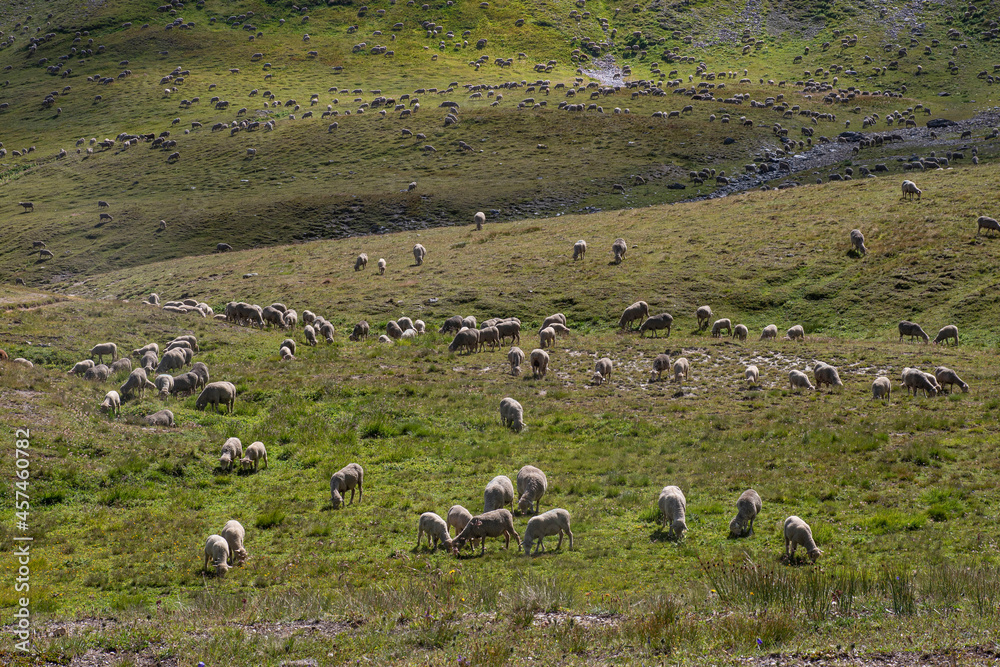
[672,508]
[619,248]
[917,380]
[466,339]
[436,528]
[234,535]
[217,552]
[420,327]
[740,332]
[165,384]
[826,374]
[910,188]
[603,368]
[660,363]
[479,218]
[419,252]
[656,323]
[531,486]
[682,370]
[459,517]
[516,358]
[201,370]
[912,330]
[112,403]
[160,418]
[381,266]
[104,348]
[487,335]
[512,414]
[798,532]
[858,241]
[327,331]
[497,523]
[499,493]
[719,325]
[346,479]
[558,318]
[551,523]
[547,337]
[451,325]
[360,331]
[579,249]
[799,380]
[172,359]
[752,375]
[232,451]
[217,393]
[637,311]
[27,364]
[393,330]
[747,508]
[253,455]
[795,333]
[946,332]
[882,388]
[310,335]
[223,247]
[987,223]
[137,381]
[945,375]
[384,339]
[81,367]
[770,332]
[100,372]
[150,347]
[704,314]
[509,329]
[361,262]
[539,363]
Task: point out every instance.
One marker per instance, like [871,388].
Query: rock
[940,122]
[728,140]
[852,136]
[676,186]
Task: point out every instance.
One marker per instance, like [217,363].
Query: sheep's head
[225,460]
[736,528]
[815,553]
[653,376]
[515,371]
[525,505]
[597,379]
[336,499]
[679,527]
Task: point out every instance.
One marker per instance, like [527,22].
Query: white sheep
[361,262]
[531,486]
[160,418]
[310,334]
[987,223]
[858,242]
[619,248]
[516,358]
[719,325]
[826,374]
[747,508]
[81,367]
[682,370]
[479,218]
[512,414]
[637,311]
[435,528]
[499,493]
[603,367]
[346,479]
[770,332]
[579,249]
[232,450]
[795,333]
[947,332]
[112,403]
[497,523]
[234,535]
[799,380]
[704,314]
[459,517]
[910,188]
[381,266]
[546,337]
[554,522]
[672,508]
[740,332]
[945,375]
[104,348]
[253,455]
[539,363]
[419,252]
[752,375]
[881,388]
[660,363]
[798,532]
[217,552]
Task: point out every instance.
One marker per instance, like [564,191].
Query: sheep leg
[352,498]
[559,544]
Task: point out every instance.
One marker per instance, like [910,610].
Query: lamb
[499,493]
[795,333]
[467,339]
[881,388]
[603,367]
[253,455]
[232,451]
[740,332]
[498,523]
[682,370]
[165,384]
[160,418]
[752,375]
[719,325]
[946,332]
[539,363]
[579,249]
[637,311]
[480,219]
[554,522]
[799,380]
[531,486]
[381,266]
[798,532]
[910,188]
[459,517]
[945,375]
[660,363]
[217,551]
[137,381]
[361,262]
[171,360]
[516,358]
[217,393]
[747,508]
[547,337]
[104,348]
[912,330]
[100,372]
[436,528]
[770,332]
[234,535]
[619,248]
[346,479]
[558,318]
[858,241]
[419,252]
[655,323]
[826,374]
[512,414]
[987,223]
[81,367]
[112,403]
[672,507]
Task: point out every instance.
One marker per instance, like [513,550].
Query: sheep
[467,339]
[919,381]
[217,393]
[232,451]
[987,223]
[881,388]
[104,348]
[655,323]
[579,249]
[384,339]
[603,367]
[80,367]
[531,486]
[27,364]
[547,337]
[719,325]
[554,522]
[826,374]
[539,363]
[419,252]
[480,219]
[770,332]
[451,325]
[459,517]
[497,523]
[217,552]
[160,418]
[420,327]
[499,493]
[310,335]
[488,335]
[672,507]
[704,314]
[393,330]
[100,372]
[149,347]
[516,358]
[912,330]
[171,360]
[660,363]
[910,188]
[360,331]
[637,311]
[858,242]
[234,535]
[799,380]
[512,414]
[253,455]
[361,262]
[137,381]
[795,333]
[112,403]
[381,266]
[747,508]
[682,370]
[327,331]
[509,329]
[945,375]
[436,528]
[346,479]
[165,384]
[619,248]
[752,375]
[558,318]
[798,532]
[201,371]
[946,332]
